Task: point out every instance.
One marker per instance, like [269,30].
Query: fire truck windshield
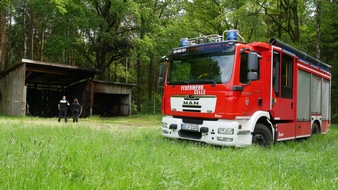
[208,68]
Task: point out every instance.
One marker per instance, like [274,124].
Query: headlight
[225,131]
[165,125]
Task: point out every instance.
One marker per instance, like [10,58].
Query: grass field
[130,153]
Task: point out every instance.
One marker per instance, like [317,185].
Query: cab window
[287,76]
[243,74]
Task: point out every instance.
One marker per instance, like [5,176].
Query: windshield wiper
[203,81]
[195,81]
[179,83]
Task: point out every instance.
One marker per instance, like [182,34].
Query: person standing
[63,107]
[75,107]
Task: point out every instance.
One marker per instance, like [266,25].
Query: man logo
[190,103]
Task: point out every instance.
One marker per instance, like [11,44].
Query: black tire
[262,135]
[315,129]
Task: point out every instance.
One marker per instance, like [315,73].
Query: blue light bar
[232,35]
[184,42]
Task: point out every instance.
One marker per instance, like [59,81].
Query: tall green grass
[130,153]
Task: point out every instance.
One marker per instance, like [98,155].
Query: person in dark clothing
[63,107]
[75,107]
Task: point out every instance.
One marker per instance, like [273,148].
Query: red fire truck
[222,91]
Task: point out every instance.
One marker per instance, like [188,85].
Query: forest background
[125,39]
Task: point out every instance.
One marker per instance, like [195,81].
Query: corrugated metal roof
[38,72]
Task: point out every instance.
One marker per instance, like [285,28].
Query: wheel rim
[259,139]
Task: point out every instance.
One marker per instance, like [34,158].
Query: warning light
[232,35]
[184,42]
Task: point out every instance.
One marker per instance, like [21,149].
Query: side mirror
[160,82]
[253,66]
[253,61]
[252,76]
[161,75]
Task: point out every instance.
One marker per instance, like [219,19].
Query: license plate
[191,127]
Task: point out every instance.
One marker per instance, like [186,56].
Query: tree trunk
[127,61]
[296,31]
[139,83]
[318,13]
[42,40]
[139,68]
[31,35]
[101,57]
[2,38]
[279,8]
[150,79]
[73,57]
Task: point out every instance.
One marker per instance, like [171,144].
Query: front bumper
[209,132]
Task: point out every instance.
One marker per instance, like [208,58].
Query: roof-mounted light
[232,35]
[202,39]
[184,42]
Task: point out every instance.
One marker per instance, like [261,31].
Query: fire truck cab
[222,91]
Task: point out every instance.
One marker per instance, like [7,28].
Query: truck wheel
[315,128]
[262,135]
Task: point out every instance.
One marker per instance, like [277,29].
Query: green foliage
[130,153]
[60,5]
[329,45]
[144,47]
[5,3]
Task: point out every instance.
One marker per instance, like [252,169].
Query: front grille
[190,134]
[192,120]
[185,110]
[191,106]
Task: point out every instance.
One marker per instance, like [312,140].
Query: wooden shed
[103,98]
[35,88]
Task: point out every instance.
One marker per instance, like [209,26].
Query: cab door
[283,100]
[283,105]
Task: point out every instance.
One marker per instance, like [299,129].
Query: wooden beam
[91,81]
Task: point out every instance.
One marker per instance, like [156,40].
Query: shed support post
[91,97]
